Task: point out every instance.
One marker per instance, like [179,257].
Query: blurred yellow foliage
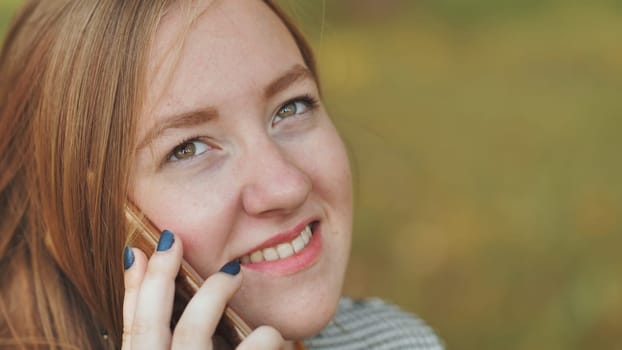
[485,141]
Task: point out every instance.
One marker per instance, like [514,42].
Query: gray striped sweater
[376,325]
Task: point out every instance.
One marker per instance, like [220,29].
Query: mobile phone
[232,329]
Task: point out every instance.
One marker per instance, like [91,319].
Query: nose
[275,184]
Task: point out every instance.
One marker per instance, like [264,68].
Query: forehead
[231,47]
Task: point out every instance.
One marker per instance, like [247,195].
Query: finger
[202,314]
[154,305]
[263,338]
[135,263]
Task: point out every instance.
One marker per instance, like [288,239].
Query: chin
[301,325]
[299,305]
[300,312]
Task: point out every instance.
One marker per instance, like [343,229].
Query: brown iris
[184,151]
[288,110]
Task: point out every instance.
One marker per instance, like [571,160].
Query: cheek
[201,221]
[326,162]
[334,158]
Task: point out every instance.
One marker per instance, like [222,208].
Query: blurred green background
[485,140]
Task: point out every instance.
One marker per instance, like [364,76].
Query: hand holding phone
[232,329]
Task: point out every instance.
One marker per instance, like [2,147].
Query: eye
[187,150]
[295,107]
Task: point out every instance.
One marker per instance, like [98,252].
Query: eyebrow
[296,73]
[184,120]
[201,116]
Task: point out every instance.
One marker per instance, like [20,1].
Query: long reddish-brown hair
[72,74]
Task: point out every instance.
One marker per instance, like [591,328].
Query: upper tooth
[298,244]
[306,236]
[257,257]
[281,251]
[285,250]
[270,254]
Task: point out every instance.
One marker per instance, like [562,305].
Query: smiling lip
[296,262]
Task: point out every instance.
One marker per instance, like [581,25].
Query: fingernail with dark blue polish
[128,258]
[166,241]
[231,268]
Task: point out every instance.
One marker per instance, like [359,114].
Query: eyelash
[308,99]
[182,143]
[311,102]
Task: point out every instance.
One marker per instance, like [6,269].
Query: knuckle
[127,330]
[161,266]
[182,335]
[219,284]
[125,337]
[158,278]
[140,327]
[189,337]
[131,287]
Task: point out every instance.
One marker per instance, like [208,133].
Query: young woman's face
[237,157]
